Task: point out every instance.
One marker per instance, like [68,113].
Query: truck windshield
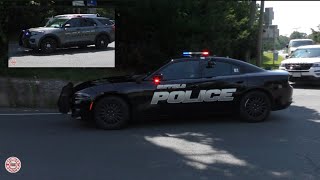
[300,43]
[306,53]
[56,22]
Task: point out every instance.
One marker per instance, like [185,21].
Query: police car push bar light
[204,53]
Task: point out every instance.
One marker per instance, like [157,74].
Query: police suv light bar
[204,53]
[78,15]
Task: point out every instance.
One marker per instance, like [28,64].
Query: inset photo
[61,37]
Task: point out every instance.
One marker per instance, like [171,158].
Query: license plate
[296,74]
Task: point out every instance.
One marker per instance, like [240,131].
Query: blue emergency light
[204,53]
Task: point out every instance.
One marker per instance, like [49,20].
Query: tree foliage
[315,35]
[282,41]
[153,31]
[298,35]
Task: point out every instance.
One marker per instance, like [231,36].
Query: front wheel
[102,42]
[48,45]
[111,113]
[255,107]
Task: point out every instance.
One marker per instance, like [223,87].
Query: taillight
[113,27]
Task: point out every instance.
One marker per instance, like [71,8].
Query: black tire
[255,106]
[48,45]
[111,113]
[102,42]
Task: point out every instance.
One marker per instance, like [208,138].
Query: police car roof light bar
[204,53]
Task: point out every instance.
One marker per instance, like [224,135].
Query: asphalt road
[71,57]
[53,146]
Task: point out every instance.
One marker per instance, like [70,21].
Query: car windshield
[300,43]
[56,22]
[306,53]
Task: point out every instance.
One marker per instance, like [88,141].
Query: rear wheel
[48,45]
[102,42]
[111,113]
[255,106]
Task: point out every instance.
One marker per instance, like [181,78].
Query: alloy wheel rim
[48,45]
[111,113]
[256,106]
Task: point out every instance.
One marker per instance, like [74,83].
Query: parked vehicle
[69,30]
[295,43]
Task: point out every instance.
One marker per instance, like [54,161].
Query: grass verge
[267,61]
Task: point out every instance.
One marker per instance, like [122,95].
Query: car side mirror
[211,64]
[67,26]
[286,57]
[287,46]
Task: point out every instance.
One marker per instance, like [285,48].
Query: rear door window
[105,21]
[88,22]
[220,69]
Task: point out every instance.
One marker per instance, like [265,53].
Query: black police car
[188,85]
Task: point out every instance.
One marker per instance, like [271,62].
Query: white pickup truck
[295,43]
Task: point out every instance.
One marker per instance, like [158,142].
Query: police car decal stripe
[185,96]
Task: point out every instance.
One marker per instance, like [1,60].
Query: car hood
[42,29]
[301,60]
[102,81]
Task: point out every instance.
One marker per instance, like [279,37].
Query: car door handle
[240,82]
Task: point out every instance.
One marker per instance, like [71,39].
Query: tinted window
[300,43]
[181,70]
[105,21]
[74,22]
[221,69]
[56,22]
[88,22]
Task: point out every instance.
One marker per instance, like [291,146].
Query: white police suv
[303,64]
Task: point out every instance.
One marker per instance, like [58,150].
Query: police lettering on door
[181,96]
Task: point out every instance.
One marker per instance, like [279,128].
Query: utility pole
[259,45]
[251,21]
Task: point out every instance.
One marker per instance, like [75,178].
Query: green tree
[297,35]
[282,41]
[154,31]
[315,35]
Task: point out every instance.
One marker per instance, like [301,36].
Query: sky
[295,15]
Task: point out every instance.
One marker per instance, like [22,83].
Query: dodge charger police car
[69,30]
[201,85]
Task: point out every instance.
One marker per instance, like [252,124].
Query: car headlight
[282,65]
[79,97]
[316,64]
